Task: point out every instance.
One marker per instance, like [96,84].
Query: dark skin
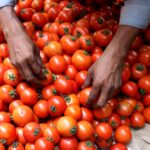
[104,78]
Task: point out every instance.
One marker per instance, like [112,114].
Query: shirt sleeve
[7,3]
[135,13]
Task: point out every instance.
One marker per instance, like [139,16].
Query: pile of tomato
[71,37]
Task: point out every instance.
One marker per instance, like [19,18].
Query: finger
[105,95]
[87,81]
[93,95]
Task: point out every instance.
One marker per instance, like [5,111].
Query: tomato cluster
[71,36]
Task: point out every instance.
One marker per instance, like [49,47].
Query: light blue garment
[135,13]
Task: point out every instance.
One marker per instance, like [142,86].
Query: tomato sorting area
[71,36]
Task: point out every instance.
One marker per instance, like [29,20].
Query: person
[104,75]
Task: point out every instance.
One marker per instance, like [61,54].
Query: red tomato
[83,23]
[132,57]
[71,72]
[137,43]
[37,5]
[20,136]
[80,30]
[81,77]
[104,130]
[147,35]
[16,146]
[3,68]
[146,100]
[123,134]
[146,114]
[144,57]
[57,64]
[26,14]
[86,114]
[130,89]
[139,107]
[126,73]
[2,147]
[67,59]
[86,145]
[125,121]
[51,27]
[56,106]
[32,131]
[21,87]
[4,50]
[85,130]
[25,3]
[4,117]
[103,37]
[7,62]
[71,99]
[118,146]
[68,143]
[8,133]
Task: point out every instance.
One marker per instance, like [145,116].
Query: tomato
[130,89]
[144,57]
[68,143]
[125,121]
[22,111]
[51,133]
[25,3]
[21,87]
[80,30]
[67,59]
[85,130]
[16,146]
[81,77]
[87,42]
[71,99]
[32,132]
[118,146]
[26,14]
[63,85]
[126,73]
[137,120]
[124,108]
[41,109]
[138,71]
[144,84]
[104,112]
[73,111]
[146,114]
[81,60]
[146,100]
[139,107]
[37,5]
[83,22]
[52,48]
[20,136]
[56,106]
[97,22]
[104,130]
[11,77]
[136,44]
[2,105]
[44,144]
[48,91]
[8,133]
[132,102]
[57,64]
[71,72]
[7,93]
[51,27]
[86,145]
[2,147]
[69,44]
[7,62]
[147,35]
[123,134]
[65,28]
[132,57]
[67,126]
[4,117]
[87,114]
[3,68]
[29,96]
[4,50]
[114,120]
[63,4]
[103,37]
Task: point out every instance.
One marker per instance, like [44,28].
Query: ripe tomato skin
[68,143]
[104,130]
[4,50]
[139,107]
[86,145]
[20,87]
[44,144]
[124,108]
[85,130]
[81,60]
[144,84]
[146,114]
[146,100]
[22,111]
[132,57]
[136,44]
[57,64]
[41,109]
[72,99]
[130,89]
[137,120]
[63,85]
[138,71]
[37,5]
[123,134]
[87,114]
[4,117]
[81,77]
[80,30]
[29,146]
[20,136]
[69,44]
[118,146]
[7,62]
[2,147]
[103,37]
[26,14]
[56,106]
[71,72]
[144,57]
[8,132]
[7,93]
[67,126]
[2,105]
[52,133]
[25,3]
[125,121]
[16,146]
[29,96]
[126,74]
[3,69]
[67,59]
